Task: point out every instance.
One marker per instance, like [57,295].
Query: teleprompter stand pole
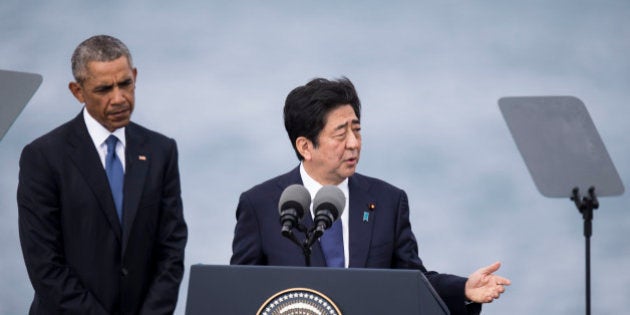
[586,205]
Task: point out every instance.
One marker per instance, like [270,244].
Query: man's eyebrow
[345,125]
[106,86]
[103,87]
[125,81]
[341,126]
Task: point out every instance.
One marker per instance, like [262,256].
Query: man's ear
[304,147]
[77,91]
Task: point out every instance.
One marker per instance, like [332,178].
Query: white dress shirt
[313,187]
[99,134]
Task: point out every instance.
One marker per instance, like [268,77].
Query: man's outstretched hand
[483,286]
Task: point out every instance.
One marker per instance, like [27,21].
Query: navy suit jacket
[79,257]
[384,240]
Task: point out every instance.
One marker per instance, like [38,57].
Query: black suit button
[124,272]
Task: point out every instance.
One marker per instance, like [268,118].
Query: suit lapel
[82,152]
[360,224]
[137,162]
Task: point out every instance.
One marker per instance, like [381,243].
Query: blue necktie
[332,245]
[115,174]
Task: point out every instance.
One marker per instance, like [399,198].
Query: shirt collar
[313,186]
[98,133]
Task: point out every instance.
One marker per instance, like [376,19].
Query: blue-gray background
[214,75]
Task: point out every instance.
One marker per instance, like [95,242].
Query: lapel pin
[142,158]
[366,214]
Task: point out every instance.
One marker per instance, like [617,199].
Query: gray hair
[97,48]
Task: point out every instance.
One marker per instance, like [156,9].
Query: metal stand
[312,235]
[586,205]
[564,153]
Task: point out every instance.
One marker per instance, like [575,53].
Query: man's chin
[118,124]
[349,172]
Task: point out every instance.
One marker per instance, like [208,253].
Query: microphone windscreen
[295,196]
[330,196]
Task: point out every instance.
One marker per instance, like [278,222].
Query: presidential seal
[299,301]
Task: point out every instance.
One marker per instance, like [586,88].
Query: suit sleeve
[449,287]
[246,246]
[171,242]
[56,285]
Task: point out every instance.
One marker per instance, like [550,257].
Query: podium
[220,289]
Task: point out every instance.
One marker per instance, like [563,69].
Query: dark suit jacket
[79,257]
[384,241]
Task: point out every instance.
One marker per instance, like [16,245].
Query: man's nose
[353,141]
[118,95]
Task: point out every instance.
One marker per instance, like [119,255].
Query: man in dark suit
[100,214]
[322,119]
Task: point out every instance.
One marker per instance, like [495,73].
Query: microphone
[293,202]
[328,205]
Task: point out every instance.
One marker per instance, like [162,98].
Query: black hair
[307,106]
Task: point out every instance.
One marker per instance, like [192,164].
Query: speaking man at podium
[322,119]
[100,214]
